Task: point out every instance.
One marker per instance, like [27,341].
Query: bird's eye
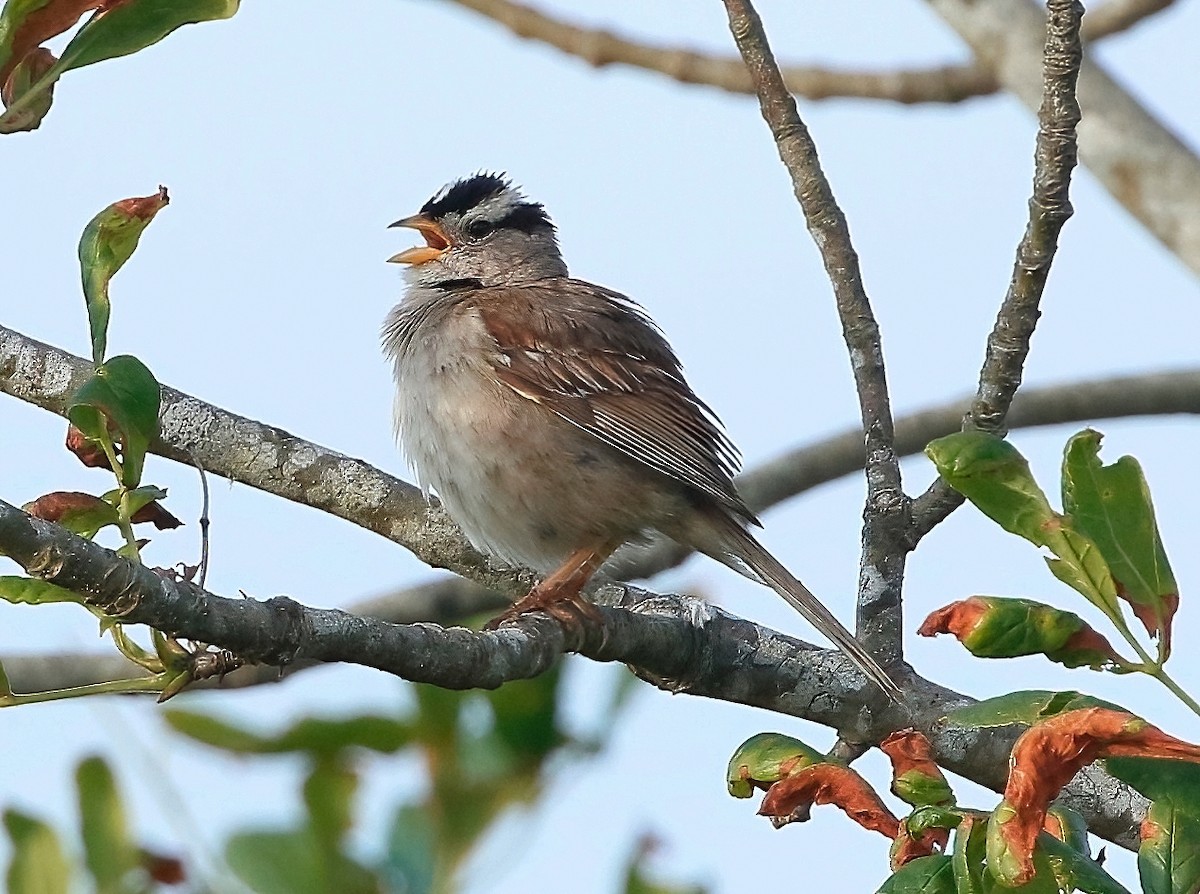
[479,228]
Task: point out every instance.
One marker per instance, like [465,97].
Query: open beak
[436,241]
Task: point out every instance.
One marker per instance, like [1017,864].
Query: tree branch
[1142,164]
[680,644]
[810,465]
[881,570]
[1055,156]
[942,84]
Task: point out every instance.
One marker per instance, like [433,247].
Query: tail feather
[745,548]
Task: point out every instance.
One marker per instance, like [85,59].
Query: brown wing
[593,357]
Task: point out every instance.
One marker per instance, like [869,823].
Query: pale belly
[524,485]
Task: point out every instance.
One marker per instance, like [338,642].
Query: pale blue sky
[290,136]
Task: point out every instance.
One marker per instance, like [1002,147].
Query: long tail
[743,545]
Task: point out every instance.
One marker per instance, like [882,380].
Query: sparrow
[551,416]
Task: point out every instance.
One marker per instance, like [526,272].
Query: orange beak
[436,241]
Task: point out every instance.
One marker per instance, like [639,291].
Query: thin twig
[881,573]
[1055,157]
[203,522]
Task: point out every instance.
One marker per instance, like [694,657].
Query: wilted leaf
[31,591]
[124,392]
[1027,706]
[87,451]
[1001,627]
[26,24]
[107,243]
[109,853]
[26,78]
[792,798]
[916,777]
[993,475]
[764,759]
[78,512]
[923,832]
[143,506]
[924,875]
[162,868]
[1045,758]
[38,865]
[1111,505]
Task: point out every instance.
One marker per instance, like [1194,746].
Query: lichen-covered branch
[1055,156]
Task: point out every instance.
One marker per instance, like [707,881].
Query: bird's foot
[569,608]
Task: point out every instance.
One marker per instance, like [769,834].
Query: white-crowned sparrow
[551,416]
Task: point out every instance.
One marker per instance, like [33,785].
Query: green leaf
[107,243]
[993,475]
[125,393]
[1026,706]
[31,591]
[329,797]
[410,863]
[924,875]
[1160,778]
[137,498]
[1111,505]
[137,24]
[764,759]
[81,513]
[108,851]
[38,865]
[310,735]
[1169,856]
[1072,825]
[1004,866]
[968,855]
[276,862]
[1075,870]
[640,880]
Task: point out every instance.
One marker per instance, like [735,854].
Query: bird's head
[481,228]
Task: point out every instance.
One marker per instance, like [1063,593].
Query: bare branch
[680,644]
[1116,16]
[942,84]
[1055,157]
[1142,164]
[598,47]
[881,571]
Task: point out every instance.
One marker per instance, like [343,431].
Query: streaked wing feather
[595,359]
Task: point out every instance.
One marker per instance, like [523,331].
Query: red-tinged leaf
[1046,757]
[143,506]
[909,846]
[26,24]
[916,777]
[157,516]
[107,243]
[78,512]
[1111,505]
[1027,706]
[87,451]
[792,799]
[25,79]
[764,759]
[999,627]
[1069,827]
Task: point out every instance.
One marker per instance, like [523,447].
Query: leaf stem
[133,684]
